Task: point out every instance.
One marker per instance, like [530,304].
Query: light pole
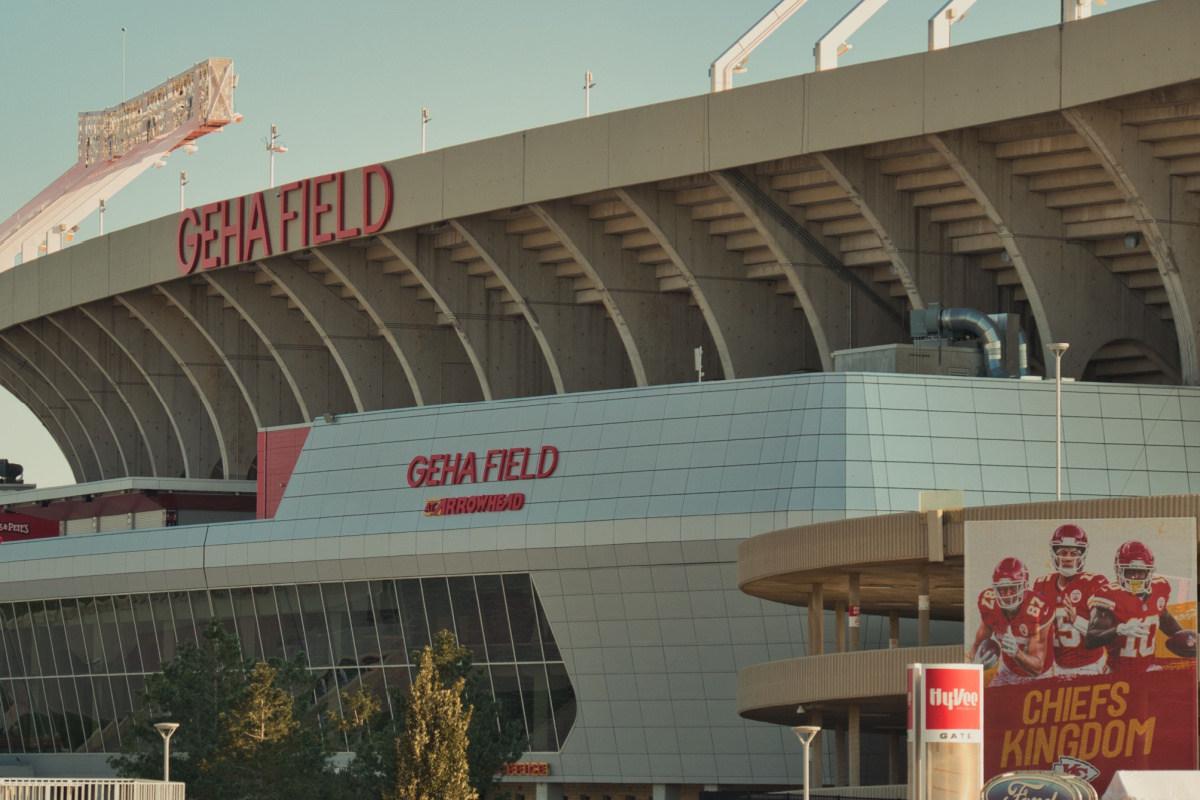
[165,729]
[274,146]
[103,205]
[588,85]
[123,32]
[424,121]
[1058,348]
[183,181]
[806,733]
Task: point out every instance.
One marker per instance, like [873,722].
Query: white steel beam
[732,59]
[947,15]
[833,43]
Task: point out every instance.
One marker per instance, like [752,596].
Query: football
[1183,644]
[988,652]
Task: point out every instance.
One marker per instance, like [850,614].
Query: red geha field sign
[953,699]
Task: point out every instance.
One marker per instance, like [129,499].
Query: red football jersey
[1127,654]
[1070,649]
[1035,613]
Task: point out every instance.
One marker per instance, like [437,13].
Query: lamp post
[1058,348]
[588,85]
[183,181]
[165,730]
[806,733]
[274,146]
[425,118]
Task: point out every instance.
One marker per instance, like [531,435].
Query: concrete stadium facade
[547,288]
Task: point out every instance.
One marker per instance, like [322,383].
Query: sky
[345,82]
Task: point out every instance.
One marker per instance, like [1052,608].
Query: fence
[88,789]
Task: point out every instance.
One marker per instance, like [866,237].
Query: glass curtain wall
[71,669]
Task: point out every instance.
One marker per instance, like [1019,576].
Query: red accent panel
[19,527]
[278,452]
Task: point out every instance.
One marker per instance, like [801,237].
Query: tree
[431,754]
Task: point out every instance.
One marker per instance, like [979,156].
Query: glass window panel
[12,663]
[48,740]
[362,624]
[89,716]
[73,610]
[507,691]
[247,625]
[522,619]
[562,700]
[92,614]
[373,679]
[186,629]
[202,610]
[412,613]
[164,623]
[315,631]
[66,714]
[387,622]
[268,622]
[127,633]
[398,684]
[341,634]
[11,713]
[466,616]
[536,695]
[24,729]
[58,637]
[43,651]
[437,605]
[549,647]
[291,622]
[495,617]
[147,635]
[136,684]
[109,738]
[222,607]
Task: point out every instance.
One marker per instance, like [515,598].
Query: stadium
[671,332]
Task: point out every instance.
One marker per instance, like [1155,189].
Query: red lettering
[319,208]
[525,476]
[187,263]
[386,213]
[493,502]
[467,469]
[286,215]
[417,471]
[257,230]
[544,471]
[488,466]
[342,231]
[208,234]
[516,501]
[231,230]
[512,463]
[435,468]
[450,471]
[502,503]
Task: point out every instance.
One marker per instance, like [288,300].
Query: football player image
[1126,616]
[1015,626]
[1070,590]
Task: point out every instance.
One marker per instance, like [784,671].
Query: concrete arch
[734,307]
[372,373]
[10,380]
[256,375]
[569,335]
[648,321]
[127,382]
[127,433]
[1134,357]
[192,425]
[1145,183]
[232,419]
[76,421]
[304,361]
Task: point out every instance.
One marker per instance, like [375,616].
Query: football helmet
[1069,537]
[1134,556]
[1010,579]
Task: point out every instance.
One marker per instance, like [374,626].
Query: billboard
[1086,630]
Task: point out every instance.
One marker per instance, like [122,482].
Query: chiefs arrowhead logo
[1076,767]
[1024,629]
[1076,596]
[1162,602]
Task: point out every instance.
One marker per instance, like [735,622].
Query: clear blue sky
[345,82]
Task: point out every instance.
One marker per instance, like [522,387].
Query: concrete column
[839,625]
[817,751]
[816,621]
[854,745]
[843,763]
[922,607]
[665,791]
[549,791]
[893,629]
[855,618]
[895,774]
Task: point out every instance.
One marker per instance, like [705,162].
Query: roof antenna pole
[1074,10]
[833,43]
[947,15]
[734,59]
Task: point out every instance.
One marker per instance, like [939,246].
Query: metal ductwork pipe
[980,324]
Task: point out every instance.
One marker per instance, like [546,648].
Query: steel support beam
[13,379]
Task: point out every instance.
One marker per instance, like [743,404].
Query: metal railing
[88,789]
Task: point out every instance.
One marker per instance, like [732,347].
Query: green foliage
[431,753]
